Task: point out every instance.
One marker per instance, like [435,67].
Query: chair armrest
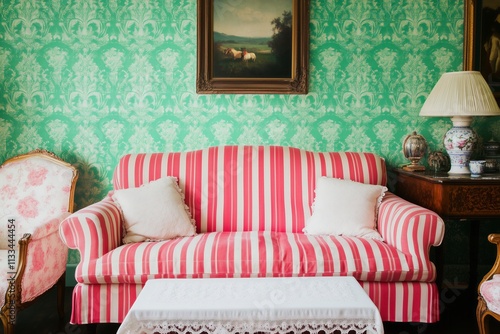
[93,230]
[47,227]
[410,228]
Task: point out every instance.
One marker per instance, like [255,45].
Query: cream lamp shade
[460,95]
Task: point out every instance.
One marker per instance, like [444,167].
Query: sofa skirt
[396,301]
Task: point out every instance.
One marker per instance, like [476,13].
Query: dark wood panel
[452,196]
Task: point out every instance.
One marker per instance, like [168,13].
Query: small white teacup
[476,167]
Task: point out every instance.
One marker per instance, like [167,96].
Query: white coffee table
[268,305]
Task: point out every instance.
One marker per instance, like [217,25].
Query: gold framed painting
[252,47]
[482,40]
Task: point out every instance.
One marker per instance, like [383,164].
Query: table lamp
[460,95]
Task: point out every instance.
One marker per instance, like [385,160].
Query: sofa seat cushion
[252,254]
[365,259]
[217,254]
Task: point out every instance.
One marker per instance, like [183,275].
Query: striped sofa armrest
[93,230]
[412,229]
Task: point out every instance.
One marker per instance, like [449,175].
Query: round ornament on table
[414,149]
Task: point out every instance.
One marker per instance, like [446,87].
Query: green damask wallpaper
[92,80]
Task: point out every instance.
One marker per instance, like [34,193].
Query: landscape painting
[257,46]
[489,43]
[482,41]
[253,39]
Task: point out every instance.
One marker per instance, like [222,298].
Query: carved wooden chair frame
[13,303]
[482,310]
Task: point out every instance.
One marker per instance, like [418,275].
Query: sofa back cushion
[249,188]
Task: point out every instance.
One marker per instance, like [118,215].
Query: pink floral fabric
[490,290]
[47,259]
[34,198]
[28,207]
[32,192]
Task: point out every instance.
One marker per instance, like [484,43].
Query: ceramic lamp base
[459,142]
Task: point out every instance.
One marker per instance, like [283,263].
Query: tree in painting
[281,42]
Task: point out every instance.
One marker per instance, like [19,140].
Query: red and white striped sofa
[250,204]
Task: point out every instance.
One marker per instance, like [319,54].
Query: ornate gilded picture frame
[252,47]
[482,40]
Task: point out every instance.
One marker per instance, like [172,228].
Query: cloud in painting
[248,18]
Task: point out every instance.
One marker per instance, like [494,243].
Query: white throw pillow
[344,207]
[155,211]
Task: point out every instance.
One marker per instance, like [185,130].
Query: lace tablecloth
[266,305]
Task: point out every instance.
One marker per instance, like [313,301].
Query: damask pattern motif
[92,80]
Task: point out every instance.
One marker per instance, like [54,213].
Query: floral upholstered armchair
[36,194]
[489,292]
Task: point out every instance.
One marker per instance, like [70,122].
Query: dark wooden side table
[454,198]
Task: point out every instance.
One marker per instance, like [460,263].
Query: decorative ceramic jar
[459,142]
[414,148]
